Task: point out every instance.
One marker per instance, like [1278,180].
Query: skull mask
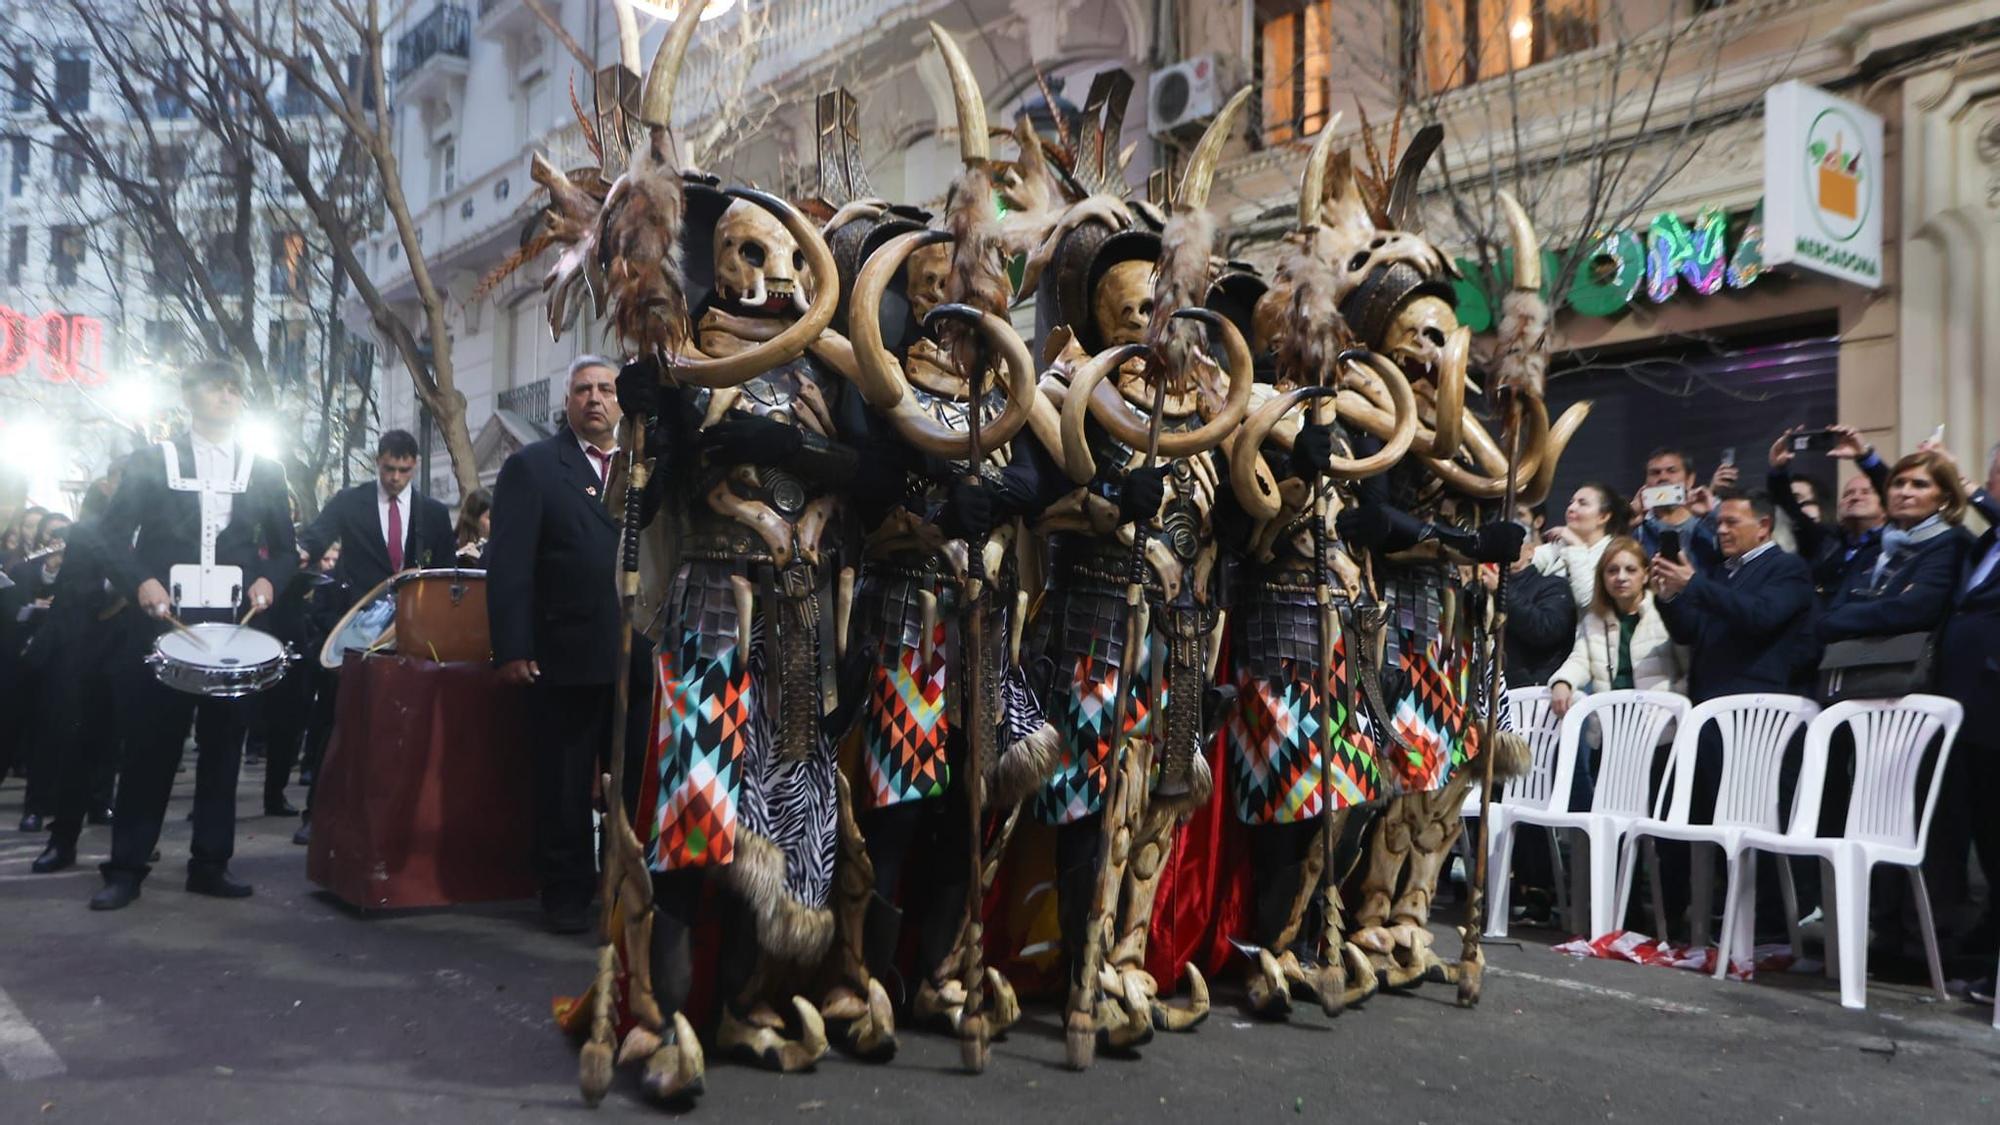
[757,264]
[1416,337]
[1123,304]
[924,277]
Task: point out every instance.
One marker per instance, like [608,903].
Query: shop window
[1294,64]
[17,253]
[1467,41]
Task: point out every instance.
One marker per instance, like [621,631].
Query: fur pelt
[1511,756]
[639,251]
[978,274]
[1314,333]
[1180,281]
[785,929]
[1522,350]
[1023,768]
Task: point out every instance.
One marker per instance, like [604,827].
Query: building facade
[1536,93]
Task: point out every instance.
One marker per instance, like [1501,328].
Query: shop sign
[1670,255]
[60,347]
[1823,179]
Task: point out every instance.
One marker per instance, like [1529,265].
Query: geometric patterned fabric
[1275,747]
[904,727]
[1432,717]
[1083,718]
[694,775]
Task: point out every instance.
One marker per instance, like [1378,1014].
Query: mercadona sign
[1823,176]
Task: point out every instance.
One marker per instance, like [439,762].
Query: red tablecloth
[424,796]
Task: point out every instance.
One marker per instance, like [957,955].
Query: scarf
[1896,541]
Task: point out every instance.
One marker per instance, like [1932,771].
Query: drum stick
[254,611]
[181,628]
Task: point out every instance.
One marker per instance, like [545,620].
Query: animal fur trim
[1511,756]
[1523,344]
[1181,282]
[785,929]
[639,251]
[1314,332]
[1023,768]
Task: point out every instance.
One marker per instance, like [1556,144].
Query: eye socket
[798,259]
[1355,263]
[1433,334]
[1378,243]
[1146,308]
[753,252]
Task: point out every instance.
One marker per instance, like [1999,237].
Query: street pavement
[288,1007]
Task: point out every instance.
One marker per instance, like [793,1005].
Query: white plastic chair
[1755,730]
[1884,825]
[1631,723]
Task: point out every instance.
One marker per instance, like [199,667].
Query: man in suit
[1969,671]
[199,527]
[382,526]
[552,603]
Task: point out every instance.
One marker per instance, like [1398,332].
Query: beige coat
[1576,565]
[1658,664]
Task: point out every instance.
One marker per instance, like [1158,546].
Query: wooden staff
[1331,998]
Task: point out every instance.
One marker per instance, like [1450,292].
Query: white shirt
[402,513]
[590,455]
[216,463]
[1743,560]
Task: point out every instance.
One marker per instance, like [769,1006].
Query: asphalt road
[286,1007]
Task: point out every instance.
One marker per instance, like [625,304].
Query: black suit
[1969,671]
[551,597]
[149,529]
[1541,626]
[1743,629]
[86,648]
[352,517]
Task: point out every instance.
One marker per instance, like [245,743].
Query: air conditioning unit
[1182,98]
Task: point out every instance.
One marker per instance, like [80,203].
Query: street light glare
[261,438]
[30,445]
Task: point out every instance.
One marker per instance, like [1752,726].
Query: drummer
[200,530]
[382,526]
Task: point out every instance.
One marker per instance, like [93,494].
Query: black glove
[968,511]
[1364,526]
[639,387]
[1311,451]
[744,439]
[1498,542]
[1145,490]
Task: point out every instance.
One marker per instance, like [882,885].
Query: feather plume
[1523,344]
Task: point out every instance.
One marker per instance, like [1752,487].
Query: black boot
[881,934]
[57,856]
[215,882]
[120,890]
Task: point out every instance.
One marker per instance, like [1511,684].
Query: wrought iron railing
[530,400]
[446,31]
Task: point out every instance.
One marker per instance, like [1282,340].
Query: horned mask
[758,264]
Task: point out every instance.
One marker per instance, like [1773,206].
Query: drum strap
[206,585]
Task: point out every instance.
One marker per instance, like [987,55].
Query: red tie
[395,537]
[602,460]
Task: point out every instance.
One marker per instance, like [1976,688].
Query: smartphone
[1728,457]
[1664,496]
[1814,441]
[1670,546]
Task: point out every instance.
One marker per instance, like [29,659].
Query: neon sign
[1669,256]
[61,347]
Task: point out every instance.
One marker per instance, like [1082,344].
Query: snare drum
[369,625]
[217,659]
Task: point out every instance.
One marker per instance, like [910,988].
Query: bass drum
[369,625]
[441,615]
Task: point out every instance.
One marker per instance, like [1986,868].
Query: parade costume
[1128,636]
[1358,267]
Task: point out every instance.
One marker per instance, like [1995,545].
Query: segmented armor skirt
[1083,635]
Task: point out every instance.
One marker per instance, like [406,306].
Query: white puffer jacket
[1577,565]
[1658,664]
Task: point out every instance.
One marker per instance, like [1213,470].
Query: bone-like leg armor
[857,1004]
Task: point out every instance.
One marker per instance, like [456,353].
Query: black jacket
[551,583]
[1743,630]
[1823,545]
[150,528]
[1913,595]
[351,517]
[1541,626]
[1969,647]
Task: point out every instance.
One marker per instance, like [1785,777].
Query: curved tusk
[1312,182]
[1021,391]
[1077,459]
[1493,486]
[792,342]
[973,146]
[1399,438]
[1200,174]
[1559,435]
[1527,248]
[878,376]
[628,35]
[1448,419]
[1245,453]
[656,100]
[1124,423]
